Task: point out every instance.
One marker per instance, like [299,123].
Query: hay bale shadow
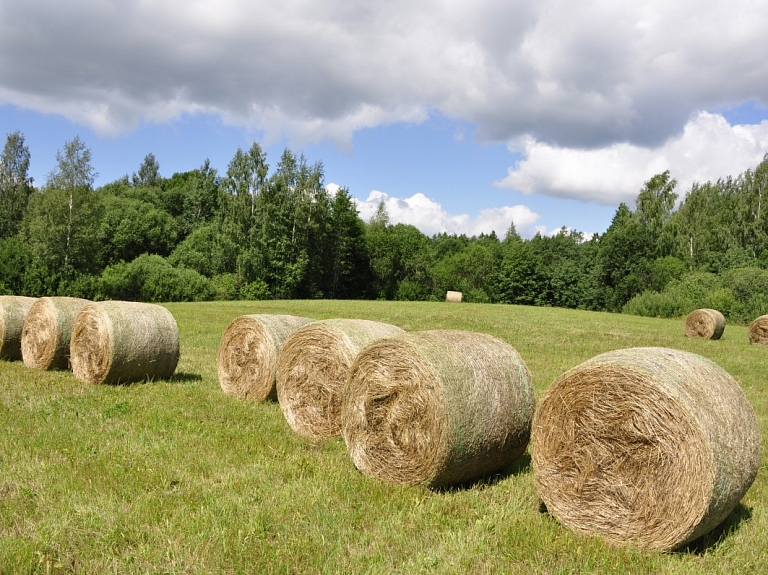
[709,542]
[518,467]
[185,377]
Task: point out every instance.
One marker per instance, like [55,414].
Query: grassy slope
[176,477]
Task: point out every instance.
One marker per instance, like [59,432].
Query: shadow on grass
[708,542]
[185,377]
[520,466]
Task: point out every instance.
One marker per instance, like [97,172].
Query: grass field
[176,477]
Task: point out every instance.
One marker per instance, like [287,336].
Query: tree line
[261,232]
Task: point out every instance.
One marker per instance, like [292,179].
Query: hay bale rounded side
[121,341]
[705,323]
[47,331]
[437,407]
[312,369]
[758,331]
[13,312]
[453,296]
[647,447]
[247,358]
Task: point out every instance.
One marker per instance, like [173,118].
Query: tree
[15,184]
[350,264]
[654,207]
[149,173]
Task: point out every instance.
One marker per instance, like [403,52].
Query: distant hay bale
[13,312]
[758,330]
[453,296]
[247,359]
[47,330]
[121,341]
[437,407]
[647,447]
[706,323]
[312,369]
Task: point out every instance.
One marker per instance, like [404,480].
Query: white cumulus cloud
[707,149]
[430,217]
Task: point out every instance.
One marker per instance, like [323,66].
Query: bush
[256,290]
[655,304]
[150,278]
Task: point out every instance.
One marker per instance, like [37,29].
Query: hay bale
[437,407]
[247,359]
[47,330]
[122,341]
[13,312]
[312,368]
[453,296]
[706,323]
[649,447]
[758,331]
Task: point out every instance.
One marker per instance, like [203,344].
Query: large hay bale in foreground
[247,359]
[312,369]
[47,330]
[13,312]
[437,407]
[648,447]
[705,323]
[122,341]
[758,330]
[453,296]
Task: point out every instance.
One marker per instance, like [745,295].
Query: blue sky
[462,117]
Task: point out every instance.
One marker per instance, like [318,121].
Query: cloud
[583,75]
[707,149]
[430,217]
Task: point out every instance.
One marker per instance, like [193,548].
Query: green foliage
[15,184]
[151,278]
[255,290]
[15,255]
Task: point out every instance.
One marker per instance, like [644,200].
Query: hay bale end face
[120,341]
[247,358]
[47,331]
[13,312]
[437,407]
[312,369]
[453,296]
[758,331]
[705,323]
[646,447]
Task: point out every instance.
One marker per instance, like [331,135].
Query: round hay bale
[706,323]
[123,341]
[47,330]
[453,296]
[437,407]
[247,359]
[13,312]
[758,330]
[648,447]
[312,369]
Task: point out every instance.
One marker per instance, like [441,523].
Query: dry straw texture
[312,369]
[13,312]
[121,341]
[437,407]
[706,323]
[758,330]
[47,331]
[250,346]
[453,296]
[648,447]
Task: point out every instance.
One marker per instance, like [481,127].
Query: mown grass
[175,477]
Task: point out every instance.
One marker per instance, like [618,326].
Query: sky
[463,117]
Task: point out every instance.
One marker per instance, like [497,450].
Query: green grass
[176,477]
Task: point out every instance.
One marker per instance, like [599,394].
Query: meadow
[177,477]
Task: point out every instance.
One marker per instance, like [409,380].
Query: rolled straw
[247,359]
[649,447]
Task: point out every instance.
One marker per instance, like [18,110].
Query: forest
[275,232]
